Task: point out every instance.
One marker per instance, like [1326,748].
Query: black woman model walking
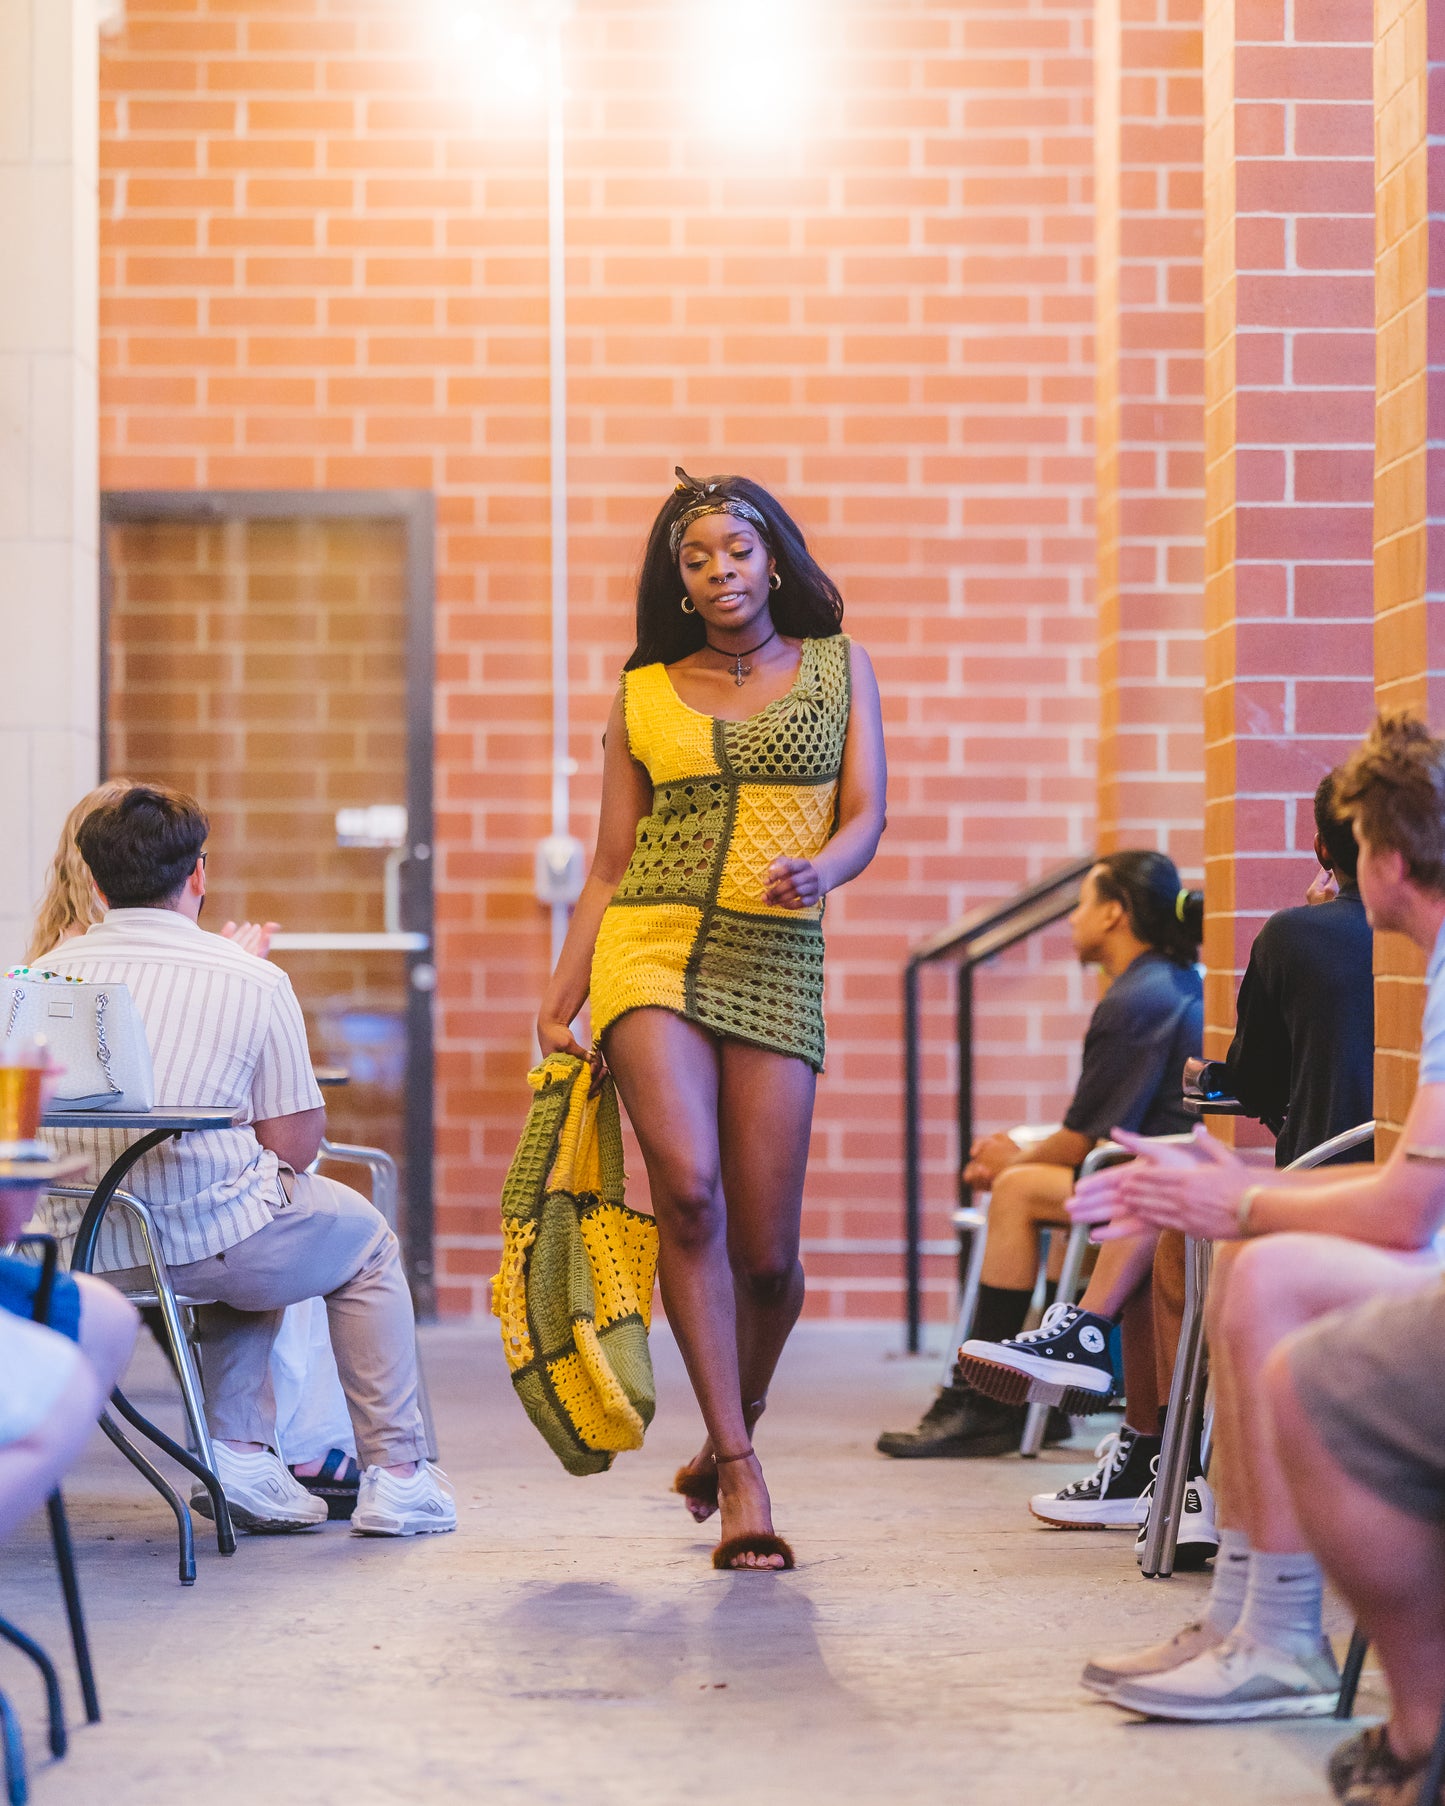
[743,780]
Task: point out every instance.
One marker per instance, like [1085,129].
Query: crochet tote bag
[575,1288]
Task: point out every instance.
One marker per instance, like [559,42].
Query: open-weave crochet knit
[688,929]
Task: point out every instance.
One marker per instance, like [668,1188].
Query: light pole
[560,854]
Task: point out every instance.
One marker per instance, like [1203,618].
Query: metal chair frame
[1187,1390]
[202,1463]
[385,1197]
[17,1786]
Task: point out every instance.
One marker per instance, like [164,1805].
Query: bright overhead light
[769,83]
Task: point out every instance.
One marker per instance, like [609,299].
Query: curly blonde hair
[1392,788]
[69,905]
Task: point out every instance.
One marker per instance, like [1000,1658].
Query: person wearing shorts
[1359,1410]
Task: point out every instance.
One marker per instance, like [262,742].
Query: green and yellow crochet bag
[575,1288]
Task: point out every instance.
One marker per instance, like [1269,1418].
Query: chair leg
[1186,1405]
[1434,1770]
[54,1703]
[423,1399]
[17,1789]
[70,1587]
[1350,1674]
[967,1299]
[157,1479]
[225,1534]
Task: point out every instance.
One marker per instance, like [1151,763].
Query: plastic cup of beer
[25,1076]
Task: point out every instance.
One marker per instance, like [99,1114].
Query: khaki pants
[326,1242]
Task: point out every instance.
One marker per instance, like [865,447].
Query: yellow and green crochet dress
[687,929]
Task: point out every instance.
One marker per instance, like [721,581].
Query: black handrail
[978,937]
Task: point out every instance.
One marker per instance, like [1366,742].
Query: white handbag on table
[93,1031]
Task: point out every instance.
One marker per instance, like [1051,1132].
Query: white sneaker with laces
[261,1491]
[1113,1496]
[1104,1673]
[420,1505]
[1238,1679]
[1198,1540]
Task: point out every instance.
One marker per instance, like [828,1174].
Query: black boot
[961,1424]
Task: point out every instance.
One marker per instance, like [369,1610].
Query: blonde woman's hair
[69,905]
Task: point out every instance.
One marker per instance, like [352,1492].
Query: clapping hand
[1192,1186]
[251,937]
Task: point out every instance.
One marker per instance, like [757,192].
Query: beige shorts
[1372,1381]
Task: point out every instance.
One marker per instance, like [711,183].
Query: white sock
[1284,1602]
[1231,1574]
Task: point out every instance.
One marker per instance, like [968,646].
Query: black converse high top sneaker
[1065,1362]
[1112,1497]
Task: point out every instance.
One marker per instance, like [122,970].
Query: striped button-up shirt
[225,1030]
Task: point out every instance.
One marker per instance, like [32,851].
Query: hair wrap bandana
[708,498]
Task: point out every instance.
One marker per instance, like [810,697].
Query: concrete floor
[571,1644]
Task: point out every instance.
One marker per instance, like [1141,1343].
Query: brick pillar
[1289,362]
[1149,139]
[1409,447]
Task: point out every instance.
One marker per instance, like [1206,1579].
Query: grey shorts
[1372,1381]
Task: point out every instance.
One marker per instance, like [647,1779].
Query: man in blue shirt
[1136,922]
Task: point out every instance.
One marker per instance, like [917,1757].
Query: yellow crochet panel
[509,1292]
[774,821]
[641,958]
[663,733]
[622,1250]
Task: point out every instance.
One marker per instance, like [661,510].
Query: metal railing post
[912,1176]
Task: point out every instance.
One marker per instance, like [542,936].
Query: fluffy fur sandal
[727,1553]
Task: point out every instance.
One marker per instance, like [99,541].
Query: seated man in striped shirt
[243,1225]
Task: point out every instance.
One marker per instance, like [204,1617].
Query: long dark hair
[806,604]
[1165,915]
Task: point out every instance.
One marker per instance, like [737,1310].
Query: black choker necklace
[740,670]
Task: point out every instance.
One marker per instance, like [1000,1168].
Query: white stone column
[49,638]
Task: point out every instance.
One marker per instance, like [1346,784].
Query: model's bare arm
[626,798]
[862,803]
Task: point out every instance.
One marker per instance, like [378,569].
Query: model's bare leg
[765,1118]
[765,1113]
[1389,1565]
[668,1073]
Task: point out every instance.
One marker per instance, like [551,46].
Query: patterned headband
[709,501]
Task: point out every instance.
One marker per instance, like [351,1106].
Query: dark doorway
[271,651]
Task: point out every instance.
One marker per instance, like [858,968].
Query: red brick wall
[1149,136]
[1409,443]
[1289,387]
[323,266]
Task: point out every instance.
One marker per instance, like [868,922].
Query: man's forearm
[1378,1204]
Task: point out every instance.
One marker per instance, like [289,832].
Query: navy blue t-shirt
[1147,1024]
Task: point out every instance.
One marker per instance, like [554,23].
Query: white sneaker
[1104,1673]
[1238,1679]
[262,1492]
[1198,1540]
[420,1505]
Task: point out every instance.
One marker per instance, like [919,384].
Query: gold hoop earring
[688,606]
[775,581]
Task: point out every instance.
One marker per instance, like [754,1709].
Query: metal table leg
[163,1486]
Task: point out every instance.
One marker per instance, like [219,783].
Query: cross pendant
[740,671]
